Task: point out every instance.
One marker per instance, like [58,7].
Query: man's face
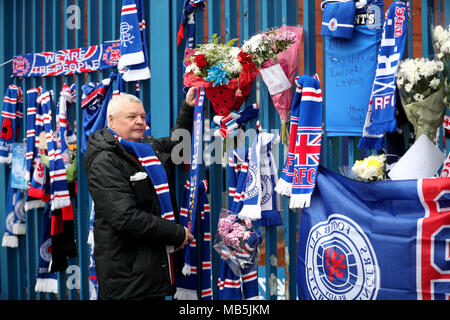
[129,122]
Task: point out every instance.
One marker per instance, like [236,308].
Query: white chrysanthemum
[418,97]
[408,87]
[253,43]
[435,83]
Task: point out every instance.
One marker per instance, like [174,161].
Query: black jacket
[129,234]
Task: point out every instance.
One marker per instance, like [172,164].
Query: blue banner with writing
[384,240]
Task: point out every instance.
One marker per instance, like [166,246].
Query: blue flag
[379,240]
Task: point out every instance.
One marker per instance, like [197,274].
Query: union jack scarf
[133,48]
[187,285]
[11,121]
[244,286]
[59,190]
[380,116]
[64,133]
[155,171]
[299,173]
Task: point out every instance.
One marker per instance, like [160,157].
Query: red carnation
[244,57]
[200,61]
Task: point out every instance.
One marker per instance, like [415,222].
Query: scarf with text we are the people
[59,190]
[155,171]
[380,116]
[298,176]
[10,121]
[199,269]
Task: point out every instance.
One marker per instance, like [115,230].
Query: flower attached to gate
[371,168]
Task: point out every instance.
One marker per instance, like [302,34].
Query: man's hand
[189,237]
[190,96]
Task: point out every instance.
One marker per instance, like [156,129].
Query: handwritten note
[275,79]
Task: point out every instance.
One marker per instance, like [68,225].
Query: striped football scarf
[63,130]
[59,190]
[380,116]
[11,121]
[200,269]
[299,173]
[153,167]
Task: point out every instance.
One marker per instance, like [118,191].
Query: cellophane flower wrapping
[224,71]
[236,241]
[278,47]
[421,87]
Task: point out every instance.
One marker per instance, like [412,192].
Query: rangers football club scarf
[196,158]
[200,269]
[93,281]
[155,171]
[380,117]
[94,104]
[298,175]
[67,62]
[260,200]
[11,121]
[338,18]
[64,133]
[32,150]
[9,238]
[188,17]
[19,227]
[244,286]
[237,173]
[45,280]
[133,48]
[229,124]
[383,240]
[59,190]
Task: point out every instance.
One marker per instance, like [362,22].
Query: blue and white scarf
[11,121]
[237,173]
[94,105]
[32,149]
[13,197]
[59,190]
[188,17]
[244,286]
[46,281]
[93,281]
[299,172]
[155,171]
[64,132]
[187,286]
[133,47]
[380,117]
[260,199]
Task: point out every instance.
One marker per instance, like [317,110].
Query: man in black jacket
[130,236]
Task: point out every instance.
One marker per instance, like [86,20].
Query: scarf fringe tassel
[283,187]
[10,241]
[46,285]
[371,143]
[35,204]
[382,128]
[19,228]
[300,201]
[185,294]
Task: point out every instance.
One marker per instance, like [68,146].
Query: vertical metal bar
[230,20]
[247,18]
[82,192]
[427,14]
[309,36]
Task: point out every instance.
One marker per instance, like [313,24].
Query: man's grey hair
[115,104]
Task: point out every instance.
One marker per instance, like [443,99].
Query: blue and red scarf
[155,171]
[299,173]
[11,121]
[380,117]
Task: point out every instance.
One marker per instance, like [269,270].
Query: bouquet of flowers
[275,53]
[236,241]
[421,91]
[441,40]
[372,168]
[225,72]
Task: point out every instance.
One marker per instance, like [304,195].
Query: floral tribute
[372,168]
[227,72]
[441,40]
[420,84]
[233,241]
